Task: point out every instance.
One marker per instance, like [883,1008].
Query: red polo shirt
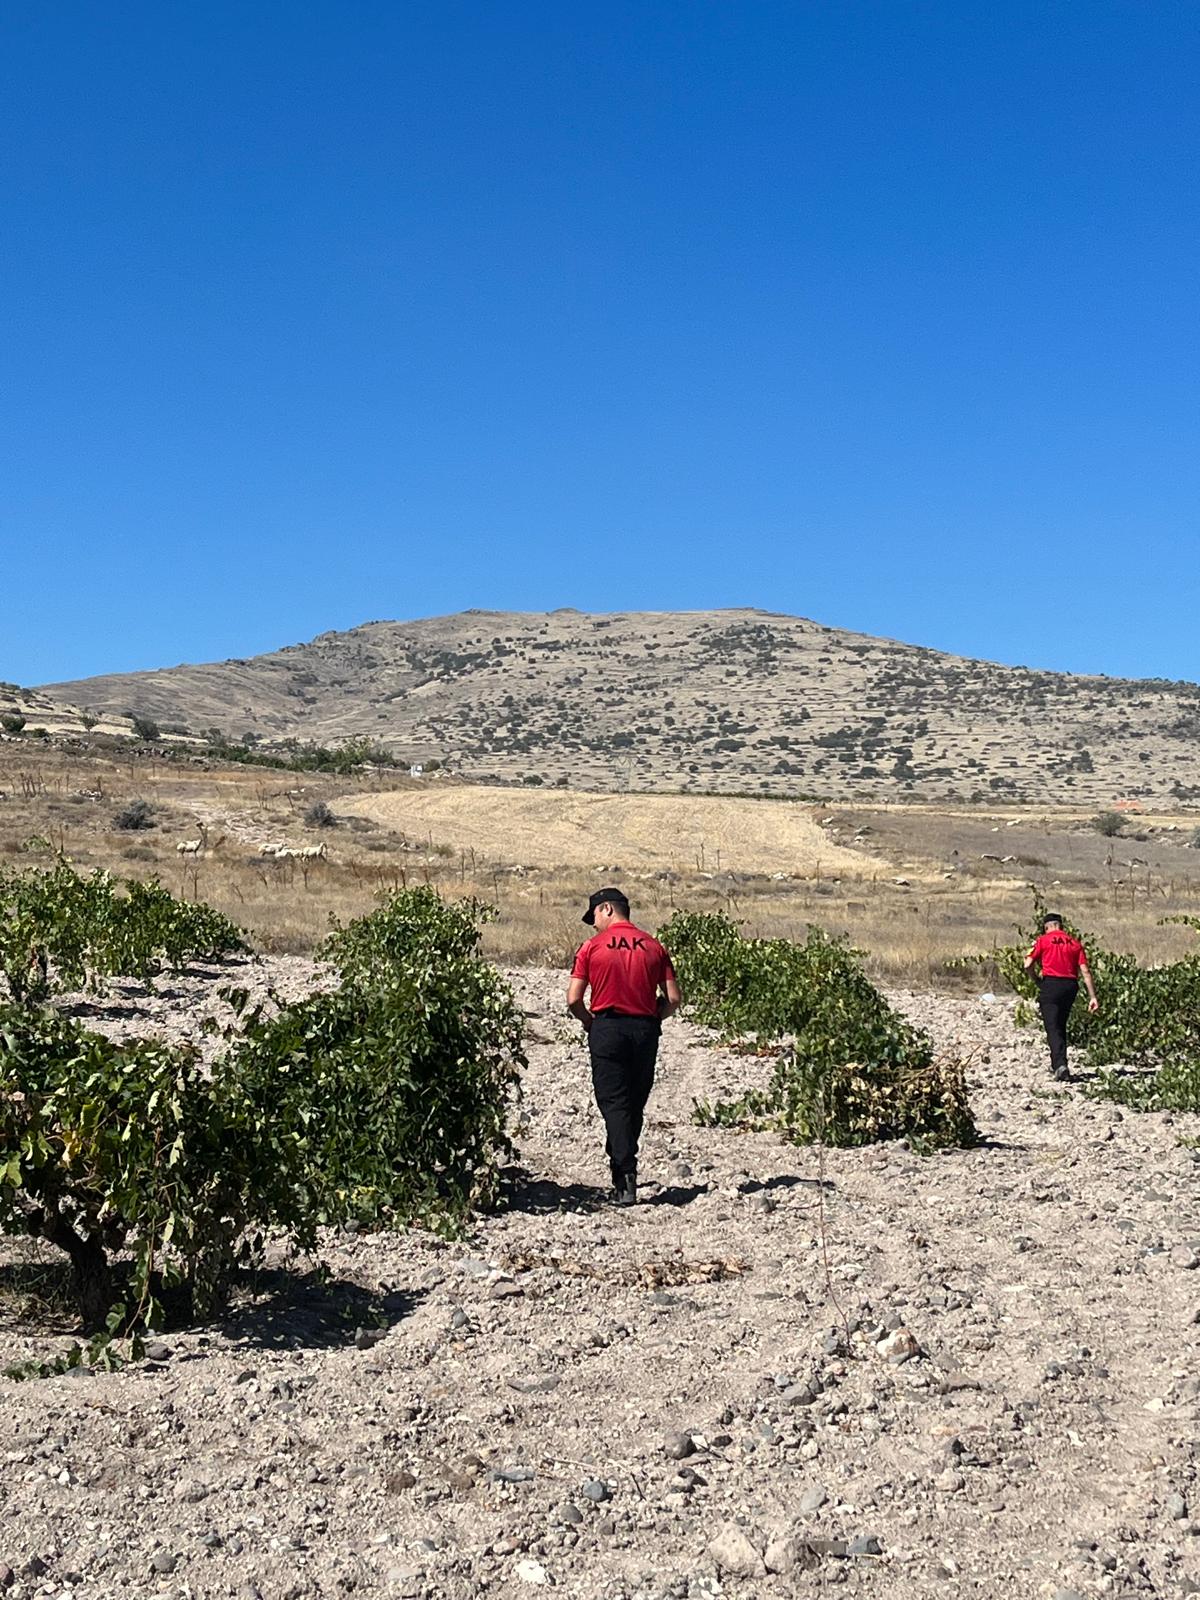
[1061,956]
[625,967]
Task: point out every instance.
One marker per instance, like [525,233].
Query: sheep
[311,852]
[190,847]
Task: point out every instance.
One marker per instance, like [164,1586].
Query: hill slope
[725,700]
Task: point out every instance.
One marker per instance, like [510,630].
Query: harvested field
[583,1401]
[629,831]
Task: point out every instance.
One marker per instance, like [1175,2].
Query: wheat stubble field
[689,1400]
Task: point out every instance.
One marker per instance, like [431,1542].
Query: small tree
[1109,823]
[146,730]
[12,722]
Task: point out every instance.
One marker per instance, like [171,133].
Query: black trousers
[1056,996]
[623,1050]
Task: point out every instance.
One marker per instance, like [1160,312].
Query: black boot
[625,1190]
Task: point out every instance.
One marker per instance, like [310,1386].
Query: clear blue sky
[884,314]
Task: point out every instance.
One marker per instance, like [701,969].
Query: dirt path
[517,1425]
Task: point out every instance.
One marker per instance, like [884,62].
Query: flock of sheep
[280,852]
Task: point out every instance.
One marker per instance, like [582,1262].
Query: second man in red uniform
[1061,961]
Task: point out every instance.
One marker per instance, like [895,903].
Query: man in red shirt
[1061,961]
[633,991]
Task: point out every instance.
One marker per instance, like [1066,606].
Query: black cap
[1052,916]
[604,897]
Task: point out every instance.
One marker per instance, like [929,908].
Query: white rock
[899,1346]
[533,1572]
[732,1550]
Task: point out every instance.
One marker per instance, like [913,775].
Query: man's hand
[1093,1004]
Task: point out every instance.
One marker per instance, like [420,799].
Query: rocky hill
[720,700]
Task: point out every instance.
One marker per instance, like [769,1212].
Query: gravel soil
[870,1372]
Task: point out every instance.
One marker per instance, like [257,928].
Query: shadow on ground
[783,1180]
[37,1294]
[269,1309]
[541,1196]
[538,1196]
[280,1310]
[675,1195]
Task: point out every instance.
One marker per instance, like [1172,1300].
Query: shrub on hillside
[850,1068]
[1109,823]
[12,722]
[319,815]
[136,817]
[144,728]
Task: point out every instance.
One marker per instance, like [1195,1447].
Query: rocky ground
[969,1375]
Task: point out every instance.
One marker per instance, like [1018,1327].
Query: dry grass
[53,801]
[565,828]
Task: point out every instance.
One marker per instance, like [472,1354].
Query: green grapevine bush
[109,1147]
[79,930]
[410,925]
[434,1088]
[387,1098]
[853,1069]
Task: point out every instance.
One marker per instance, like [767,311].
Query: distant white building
[416,770]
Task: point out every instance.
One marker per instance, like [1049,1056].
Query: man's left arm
[1085,972]
[670,997]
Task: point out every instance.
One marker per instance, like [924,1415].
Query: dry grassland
[777,866]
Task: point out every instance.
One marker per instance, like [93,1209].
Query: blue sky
[883,314]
